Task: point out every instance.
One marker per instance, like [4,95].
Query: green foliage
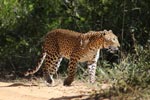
[131,77]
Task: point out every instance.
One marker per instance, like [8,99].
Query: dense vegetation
[23,23]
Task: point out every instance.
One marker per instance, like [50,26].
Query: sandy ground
[27,91]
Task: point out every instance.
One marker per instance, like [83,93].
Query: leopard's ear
[106,32]
[102,33]
[110,31]
[106,36]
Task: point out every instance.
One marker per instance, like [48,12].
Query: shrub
[129,79]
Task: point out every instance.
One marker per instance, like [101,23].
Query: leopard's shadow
[78,97]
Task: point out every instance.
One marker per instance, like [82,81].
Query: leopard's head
[110,40]
[101,39]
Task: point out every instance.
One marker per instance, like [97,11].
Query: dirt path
[24,91]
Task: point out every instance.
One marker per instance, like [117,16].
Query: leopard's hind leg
[52,63]
[72,69]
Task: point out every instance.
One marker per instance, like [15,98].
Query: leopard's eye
[114,39]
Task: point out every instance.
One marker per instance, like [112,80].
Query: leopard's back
[62,41]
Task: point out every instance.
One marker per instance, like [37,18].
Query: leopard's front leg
[72,69]
[92,67]
[92,70]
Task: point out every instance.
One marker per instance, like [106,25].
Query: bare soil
[29,90]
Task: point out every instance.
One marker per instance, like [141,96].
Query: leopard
[75,46]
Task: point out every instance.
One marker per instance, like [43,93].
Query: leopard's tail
[35,69]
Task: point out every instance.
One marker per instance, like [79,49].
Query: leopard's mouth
[112,49]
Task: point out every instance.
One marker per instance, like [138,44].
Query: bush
[130,79]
